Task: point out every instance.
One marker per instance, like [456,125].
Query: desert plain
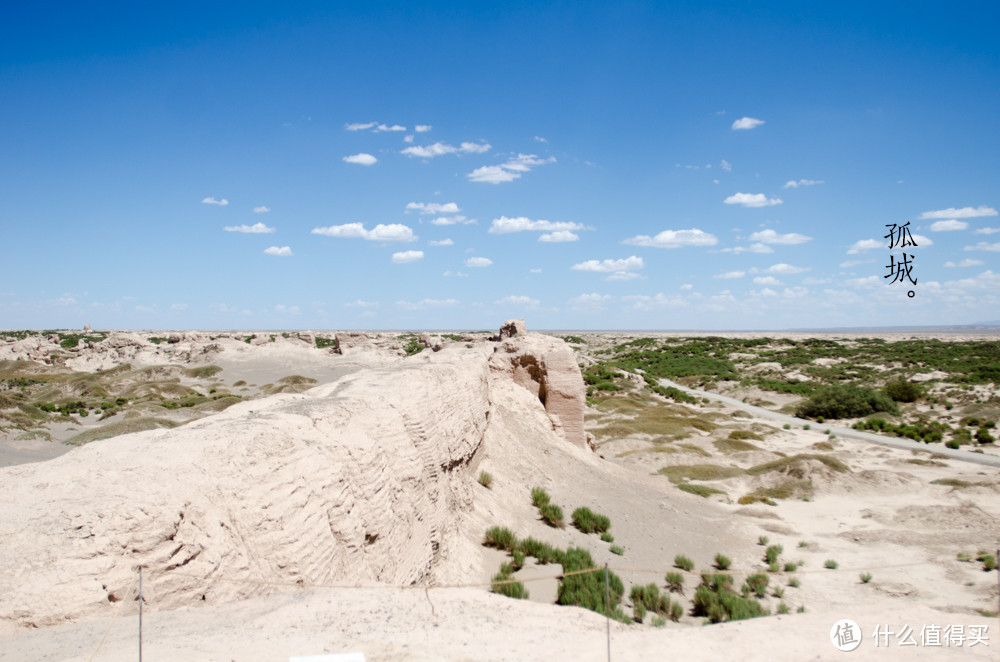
[306,494]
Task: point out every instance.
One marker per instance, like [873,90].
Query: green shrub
[756,584]
[778,592]
[539,497]
[675,582]
[587,589]
[500,538]
[762,540]
[865,577]
[845,401]
[722,562]
[794,582]
[782,608]
[543,552]
[791,567]
[989,563]
[552,515]
[901,390]
[502,583]
[485,479]
[787,426]
[772,552]
[830,564]
[617,549]
[703,491]
[683,562]
[658,621]
[607,537]
[676,611]
[588,521]
[719,603]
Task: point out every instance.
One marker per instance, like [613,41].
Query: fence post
[607,607]
[140,613]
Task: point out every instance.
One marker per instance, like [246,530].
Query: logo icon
[845,635]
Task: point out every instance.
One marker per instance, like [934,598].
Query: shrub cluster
[502,583]
[845,401]
[648,598]
[715,599]
[588,521]
[901,390]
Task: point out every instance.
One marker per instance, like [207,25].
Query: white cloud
[766,280]
[440,149]
[623,276]
[504,225]
[983,246]
[407,256]
[920,241]
[212,201]
[752,200]
[802,182]
[731,274]
[361,159]
[422,128]
[178,306]
[987,231]
[608,266]
[384,127]
[459,274]
[772,237]
[964,212]
[948,226]
[287,310]
[256,228]
[427,303]
[442,242]
[454,220]
[359,303]
[785,269]
[408,139]
[261,210]
[509,171]
[687,287]
[752,248]
[518,301]
[864,245]
[746,123]
[359,126]
[535,271]
[478,262]
[284,251]
[559,237]
[541,140]
[968,262]
[433,207]
[390,232]
[726,165]
[674,239]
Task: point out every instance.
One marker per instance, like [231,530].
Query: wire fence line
[428,586]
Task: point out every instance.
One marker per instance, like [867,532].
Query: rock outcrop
[355,481]
[547,367]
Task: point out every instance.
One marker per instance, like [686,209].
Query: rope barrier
[114,617]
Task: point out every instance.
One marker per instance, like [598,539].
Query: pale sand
[891,522]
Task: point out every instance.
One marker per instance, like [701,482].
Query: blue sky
[451,165]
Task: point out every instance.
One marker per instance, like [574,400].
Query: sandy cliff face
[356,481]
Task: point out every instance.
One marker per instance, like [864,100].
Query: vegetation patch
[588,521]
[845,401]
[119,428]
[785,462]
[682,472]
[701,490]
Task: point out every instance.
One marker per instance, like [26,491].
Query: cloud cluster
[407,256]
[283,251]
[432,207]
[212,201]
[509,171]
[964,212]
[948,226]
[458,219]
[560,236]
[375,127]
[361,159]
[504,225]
[674,239]
[261,210]
[381,232]
[752,200]
[772,237]
[440,149]
[745,123]
[802,182]
[631,263]
[256,228]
